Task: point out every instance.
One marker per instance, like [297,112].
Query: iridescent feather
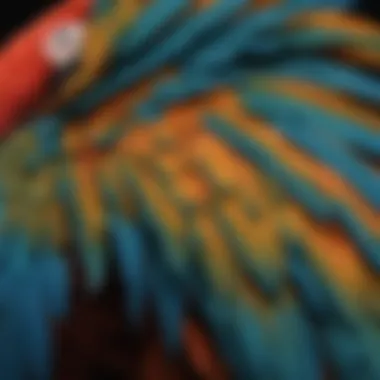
[226,155]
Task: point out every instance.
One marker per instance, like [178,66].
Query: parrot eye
[64,47]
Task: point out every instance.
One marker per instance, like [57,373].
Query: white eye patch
[64,46]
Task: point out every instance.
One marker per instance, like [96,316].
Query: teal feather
[329,148]
[131,263]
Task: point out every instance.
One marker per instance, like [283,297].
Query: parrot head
[58,56]
[39,54]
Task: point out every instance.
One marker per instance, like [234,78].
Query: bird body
[226,157]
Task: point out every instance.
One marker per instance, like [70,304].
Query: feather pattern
[226,155]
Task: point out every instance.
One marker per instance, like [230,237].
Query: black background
[14,13]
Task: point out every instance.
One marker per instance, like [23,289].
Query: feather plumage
[226,155]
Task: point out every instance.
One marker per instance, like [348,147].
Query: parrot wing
[255,199]
[239,186]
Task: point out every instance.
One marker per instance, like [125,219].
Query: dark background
[15,13]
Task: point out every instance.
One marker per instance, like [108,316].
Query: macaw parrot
[163,138]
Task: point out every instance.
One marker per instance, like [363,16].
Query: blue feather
[130,256]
